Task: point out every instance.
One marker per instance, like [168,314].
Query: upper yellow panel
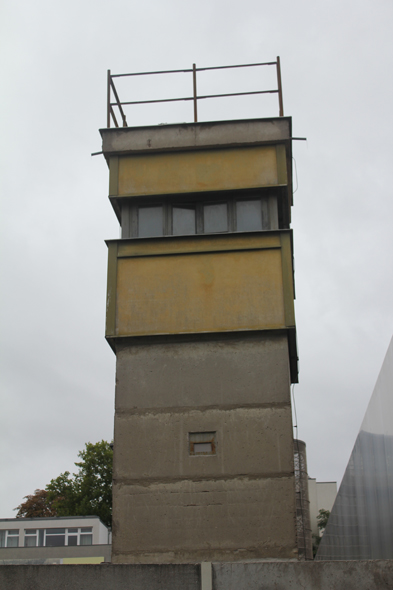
[198,171]
[206,292]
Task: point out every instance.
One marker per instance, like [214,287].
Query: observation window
[251,212]
[202,443]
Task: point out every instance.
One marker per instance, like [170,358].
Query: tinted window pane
[55,531]
[215,218]
[86,539]
[183,221]
[55,541]
[248,215]
[75,530]
[13,542]
[30,531]
[150,222]
[86,529]
[202,448]
[72,541]
[30,541]
[13,532]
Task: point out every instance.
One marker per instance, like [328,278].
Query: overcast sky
[58,372]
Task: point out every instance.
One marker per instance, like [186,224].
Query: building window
[215,218]
[183,220]
[150,222]
[9,538]
[31,537]
[249,215]
[70,537]
[255,212]
[54,537]
[202,443]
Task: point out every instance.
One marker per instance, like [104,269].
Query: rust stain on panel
[200,293]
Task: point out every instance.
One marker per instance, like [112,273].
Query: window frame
[130,212]
[195,438]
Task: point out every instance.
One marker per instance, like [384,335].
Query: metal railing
[112,92]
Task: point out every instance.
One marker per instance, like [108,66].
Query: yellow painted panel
[68,560]
[198,243]
[156,174]
[200,293]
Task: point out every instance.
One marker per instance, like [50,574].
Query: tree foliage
[85,493]
[36,505]
[322,519]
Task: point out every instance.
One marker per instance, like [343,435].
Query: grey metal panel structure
[361,522]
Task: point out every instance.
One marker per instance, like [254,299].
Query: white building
[321,495]
[71,539]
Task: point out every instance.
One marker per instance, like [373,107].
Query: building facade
[71,539]
[200,315]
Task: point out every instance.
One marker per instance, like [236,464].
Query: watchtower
[200,315]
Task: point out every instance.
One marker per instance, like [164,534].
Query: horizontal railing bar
[158,100]
[148,73]
[267,63]
[198,97]
[239,94]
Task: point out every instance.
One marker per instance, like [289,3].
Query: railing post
[279,87]
[108,98]
[194,84]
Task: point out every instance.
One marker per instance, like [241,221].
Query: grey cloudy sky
[58,372]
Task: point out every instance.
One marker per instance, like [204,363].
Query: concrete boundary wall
[278,575]
[328,575]
[100,577]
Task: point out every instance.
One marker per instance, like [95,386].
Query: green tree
[322,520]
[36,505]
[89,491]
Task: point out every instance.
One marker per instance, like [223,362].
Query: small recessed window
[202,443]
[215,218]
[150,222]
[183,220]
[249,215]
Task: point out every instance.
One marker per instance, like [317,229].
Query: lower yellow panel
[67,560]
[211,170]
[221,291]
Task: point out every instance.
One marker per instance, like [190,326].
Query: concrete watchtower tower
[200,315]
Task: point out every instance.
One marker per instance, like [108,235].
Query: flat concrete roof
[191,136]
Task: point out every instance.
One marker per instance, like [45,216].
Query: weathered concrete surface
[195,135]
[232,371]
[179,522]
[337,575]
[328,575]
[249,441]
[170,506]
[100,577]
